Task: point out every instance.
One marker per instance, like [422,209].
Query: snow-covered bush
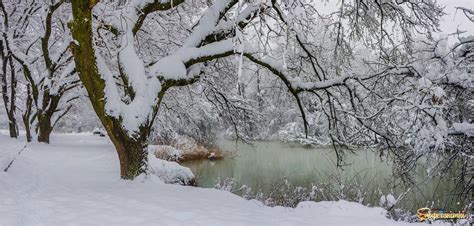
[170,172]
[166,152]
[179,148]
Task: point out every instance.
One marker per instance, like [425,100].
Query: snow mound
[464,128]
[170,172]
[387,201]
[438,92]
[166,152]
[424,83]
[341,208]
[170,67]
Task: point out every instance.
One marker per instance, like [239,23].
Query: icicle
[285,50]
[240,40]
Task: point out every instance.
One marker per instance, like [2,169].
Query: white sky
[456,20]
[450,23]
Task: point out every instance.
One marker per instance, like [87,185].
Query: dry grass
[199,151]
[183,152]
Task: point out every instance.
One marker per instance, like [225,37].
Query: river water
[267,167]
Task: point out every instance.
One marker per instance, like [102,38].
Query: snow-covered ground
[75,181]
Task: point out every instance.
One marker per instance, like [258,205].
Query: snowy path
[74,181]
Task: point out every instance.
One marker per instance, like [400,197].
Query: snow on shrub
[166,152]
[184,148]
[170,172]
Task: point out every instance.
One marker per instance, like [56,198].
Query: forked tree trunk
[44,128]
[45,125]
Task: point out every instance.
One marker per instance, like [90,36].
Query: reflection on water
[267,165]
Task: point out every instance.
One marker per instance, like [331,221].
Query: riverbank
[284,174]
[190,152]
[75,181]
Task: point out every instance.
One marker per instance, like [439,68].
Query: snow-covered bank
[75,181]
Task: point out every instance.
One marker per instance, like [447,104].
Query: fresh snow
[387,201]
[170,172]
[75,181]
[464,128]
[145,81]
[171,153]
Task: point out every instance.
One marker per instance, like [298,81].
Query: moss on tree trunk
[131,150]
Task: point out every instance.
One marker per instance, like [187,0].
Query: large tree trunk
[44,128]
[131,150]
[133,158]
[45,125]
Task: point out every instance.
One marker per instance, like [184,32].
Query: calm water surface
[266,166]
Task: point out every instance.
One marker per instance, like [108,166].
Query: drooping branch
[147,7]
[47,35]
[315,65]
[28,75]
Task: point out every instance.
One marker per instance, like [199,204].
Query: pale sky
[450,23]
[456,20]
